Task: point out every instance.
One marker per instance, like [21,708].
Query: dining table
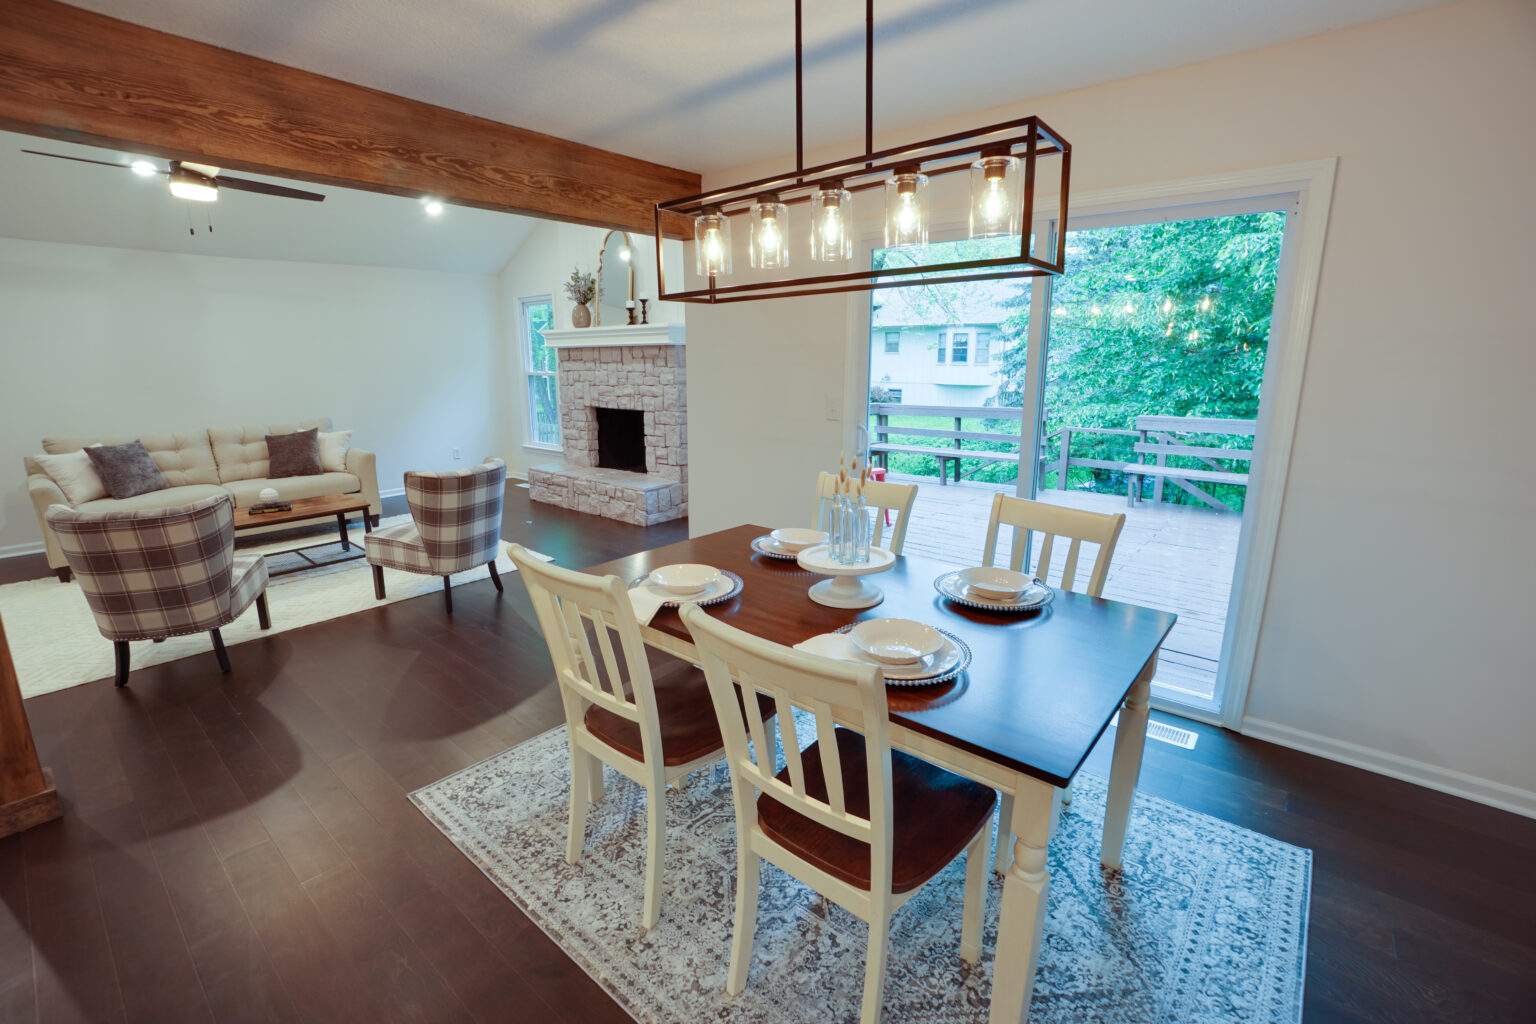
[1040,690]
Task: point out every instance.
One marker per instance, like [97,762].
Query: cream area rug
[1206,924]
[55,643]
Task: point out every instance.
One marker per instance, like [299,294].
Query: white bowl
[684,578]
[997,584]
[896,641]
[795,540]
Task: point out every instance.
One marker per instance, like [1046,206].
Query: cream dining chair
[1052,521]
[861,824]
[652,729]
[877,495]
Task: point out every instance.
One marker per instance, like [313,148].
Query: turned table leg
[1026,886]
[1125,769]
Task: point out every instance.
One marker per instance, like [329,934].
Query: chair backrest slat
[1053,521]
[878,495]
[739,666]
[570,607]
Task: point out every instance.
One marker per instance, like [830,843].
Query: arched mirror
[615,280]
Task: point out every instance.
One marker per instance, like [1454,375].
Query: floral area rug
[1206,924]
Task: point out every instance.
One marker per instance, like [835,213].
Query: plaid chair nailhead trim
[159,572]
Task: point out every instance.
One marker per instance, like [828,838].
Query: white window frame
[964,349]
[889,348]
[529,373]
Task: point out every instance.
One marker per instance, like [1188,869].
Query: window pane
[540,357]
[893,341]
[983,347]
[541,401]
[959,347]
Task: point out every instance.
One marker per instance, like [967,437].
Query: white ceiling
[708,84]
[61,201]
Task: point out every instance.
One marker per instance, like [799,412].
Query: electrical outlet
[456,453]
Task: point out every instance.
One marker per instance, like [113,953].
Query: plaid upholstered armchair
[158,573]
[456,525]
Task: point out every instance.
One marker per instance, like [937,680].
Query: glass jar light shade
[906,209]
[996,207]
[832,225]
[768,240]
[712,243]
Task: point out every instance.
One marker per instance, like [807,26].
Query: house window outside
[983,347]
[941,346]
[895,395]
[539,365]
[893,341]
[959,347]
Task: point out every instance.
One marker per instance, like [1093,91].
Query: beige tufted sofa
[199,464]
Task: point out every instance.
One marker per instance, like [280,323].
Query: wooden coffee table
[305,509]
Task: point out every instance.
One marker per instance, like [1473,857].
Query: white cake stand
[845,589]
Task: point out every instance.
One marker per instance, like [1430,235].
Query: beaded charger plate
[713,595]
[963,663]
[1036,596]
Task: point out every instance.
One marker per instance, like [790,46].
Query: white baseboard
[1420,773]
[14,550]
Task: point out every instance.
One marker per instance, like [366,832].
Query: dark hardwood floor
[241,848]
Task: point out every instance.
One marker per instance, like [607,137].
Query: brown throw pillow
[126,469]
[295,454]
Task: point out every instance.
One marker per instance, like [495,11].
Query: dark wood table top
[1041,687]
[303,508]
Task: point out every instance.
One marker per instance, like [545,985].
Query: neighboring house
[940,344]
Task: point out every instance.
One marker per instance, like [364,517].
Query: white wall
[542,265]
[1394,630]
[116,341]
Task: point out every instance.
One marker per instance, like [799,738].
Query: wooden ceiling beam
[78,76]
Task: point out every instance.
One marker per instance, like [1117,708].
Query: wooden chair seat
[935,815]
[689,727]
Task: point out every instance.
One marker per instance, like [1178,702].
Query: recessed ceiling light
[144,168]
[433,207]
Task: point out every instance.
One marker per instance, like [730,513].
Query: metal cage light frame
[1027,138]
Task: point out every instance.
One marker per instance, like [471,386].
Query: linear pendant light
[1001,160]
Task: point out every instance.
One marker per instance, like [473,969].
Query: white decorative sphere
[268,494]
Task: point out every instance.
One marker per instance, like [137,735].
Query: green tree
[1164,319]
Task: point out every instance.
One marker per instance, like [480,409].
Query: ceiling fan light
[143,168]
[186,185]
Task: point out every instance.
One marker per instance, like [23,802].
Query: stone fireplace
[623,423]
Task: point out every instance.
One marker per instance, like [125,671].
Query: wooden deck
[1175,557]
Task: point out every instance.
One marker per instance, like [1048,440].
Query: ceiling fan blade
[82,160]
[246,185]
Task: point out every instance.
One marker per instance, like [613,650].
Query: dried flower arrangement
[581,288]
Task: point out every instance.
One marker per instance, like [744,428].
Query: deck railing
[1055,447]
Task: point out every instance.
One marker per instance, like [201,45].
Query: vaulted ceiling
[708,84]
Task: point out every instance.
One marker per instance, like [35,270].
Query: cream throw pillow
[75,475]
[333,450]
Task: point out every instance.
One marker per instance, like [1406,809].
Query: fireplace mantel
[621,335]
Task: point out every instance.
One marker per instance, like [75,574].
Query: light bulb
[712,243]
[906,207]
[767,245]
[1095,310]
[193,186]
[1130,308]
[143,168]
[1205,304]
[433,208]
[831,242]
[1194,335]
[1167,305]
[995,206]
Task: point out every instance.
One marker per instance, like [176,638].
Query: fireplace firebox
[620,439]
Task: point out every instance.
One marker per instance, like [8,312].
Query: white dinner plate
[1036,595]
[727,585]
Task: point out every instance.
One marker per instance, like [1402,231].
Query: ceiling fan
[197,182]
